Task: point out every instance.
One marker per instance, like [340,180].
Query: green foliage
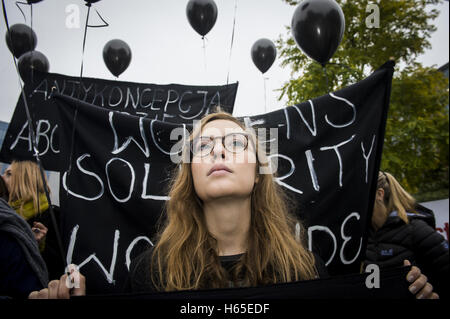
[417,132]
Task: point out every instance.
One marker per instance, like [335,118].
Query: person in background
[403,232]
[27,197]
[22,269]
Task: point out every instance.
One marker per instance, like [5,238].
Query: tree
[417,135]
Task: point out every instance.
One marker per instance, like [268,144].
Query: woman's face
[238,174]
[379,213]
[7,177]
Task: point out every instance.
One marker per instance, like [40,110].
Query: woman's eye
[237,143]
[203,145]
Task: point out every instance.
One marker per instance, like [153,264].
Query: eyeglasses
[233,143]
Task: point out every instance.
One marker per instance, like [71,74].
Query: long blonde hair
[395,196]
[185,256]
[26,184]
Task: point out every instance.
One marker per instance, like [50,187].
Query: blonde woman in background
[403,232]
[27,197]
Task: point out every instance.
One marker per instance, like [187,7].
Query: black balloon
[31,61]
[20,39]
[202,15]
[33,1]
[264,53]
[318,27]
[117,56]
[90,2]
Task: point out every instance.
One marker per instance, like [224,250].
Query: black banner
[328,154]
[172,103]
[376,284]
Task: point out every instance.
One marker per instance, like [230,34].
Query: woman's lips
[219,172]
[218,168]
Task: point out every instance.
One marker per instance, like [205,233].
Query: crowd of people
[227,225]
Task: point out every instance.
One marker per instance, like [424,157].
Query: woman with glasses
[403,232]
[227,220]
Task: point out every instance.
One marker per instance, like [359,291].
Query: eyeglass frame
[213,139]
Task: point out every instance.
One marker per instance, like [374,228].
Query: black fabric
[139,279]
[17,228]
[51,254]
[416,241]
[114,188]
[173,103]
[17,279]
[393,285]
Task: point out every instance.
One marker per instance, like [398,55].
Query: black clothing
[51,254]
[17,278]
[139,279]
[417,242]
[22,268]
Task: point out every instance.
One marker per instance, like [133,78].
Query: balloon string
[20,9]
[204,52]
[232,41]
[34,145]
[265,94]
[31,37]
[84,43]
[72,145]
[32,69]
[106,24]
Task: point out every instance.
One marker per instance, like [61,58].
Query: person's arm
[432,255]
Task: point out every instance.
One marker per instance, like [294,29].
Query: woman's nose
[218,149]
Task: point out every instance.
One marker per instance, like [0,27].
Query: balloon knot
[88,4]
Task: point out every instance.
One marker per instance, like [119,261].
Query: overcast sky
[167,50]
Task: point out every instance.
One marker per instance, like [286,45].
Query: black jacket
[417,242]
[17,277]
[22,268]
